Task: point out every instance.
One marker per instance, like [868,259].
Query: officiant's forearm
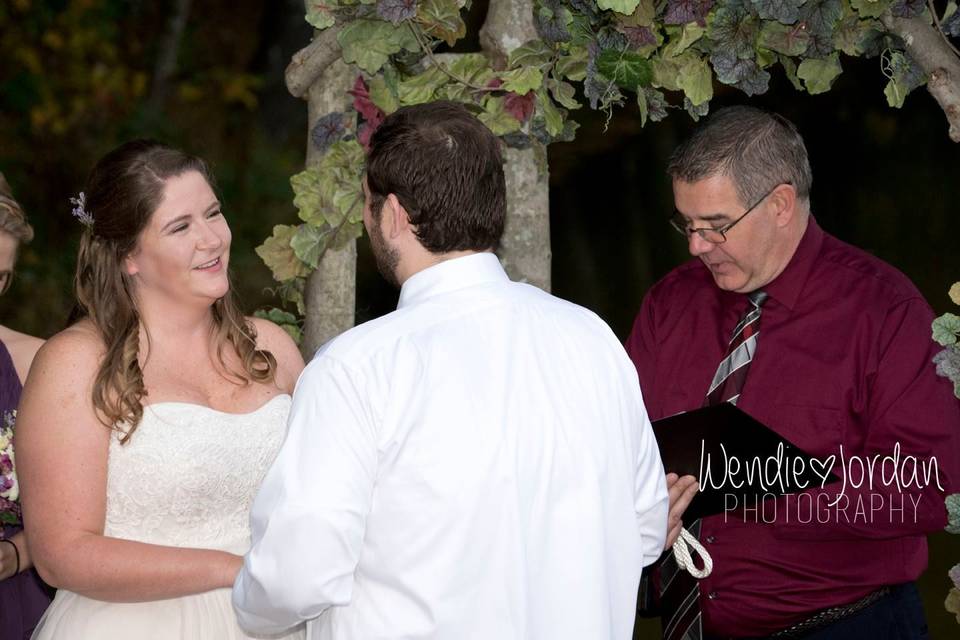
[117,570]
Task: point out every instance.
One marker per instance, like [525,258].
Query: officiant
[829,347]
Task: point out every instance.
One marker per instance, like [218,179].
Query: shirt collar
[450,275]
[787,286]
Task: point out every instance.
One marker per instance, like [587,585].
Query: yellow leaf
[955,293]
[53,40]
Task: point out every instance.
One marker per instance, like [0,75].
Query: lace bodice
[189,473]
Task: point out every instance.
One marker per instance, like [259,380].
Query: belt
[826,617]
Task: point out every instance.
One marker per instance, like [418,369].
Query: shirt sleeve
[309,517]
[905,408]
[650,489]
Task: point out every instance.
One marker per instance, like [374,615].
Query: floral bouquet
[9,489]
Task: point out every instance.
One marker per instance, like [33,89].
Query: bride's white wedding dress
[186,479]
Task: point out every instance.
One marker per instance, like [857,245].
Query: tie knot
[757,298]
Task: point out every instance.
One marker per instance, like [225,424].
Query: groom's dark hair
[445,168]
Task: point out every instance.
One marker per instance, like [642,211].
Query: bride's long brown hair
[122,193]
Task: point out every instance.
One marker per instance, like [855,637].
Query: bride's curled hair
[123,190]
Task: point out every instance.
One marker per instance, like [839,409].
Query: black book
[737,460]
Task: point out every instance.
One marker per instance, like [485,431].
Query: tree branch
[307,64]
[927,46]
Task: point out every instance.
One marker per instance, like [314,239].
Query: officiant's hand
[681,490]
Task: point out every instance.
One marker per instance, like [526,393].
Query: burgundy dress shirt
[843,360]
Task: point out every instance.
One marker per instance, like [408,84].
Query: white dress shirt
[476,464]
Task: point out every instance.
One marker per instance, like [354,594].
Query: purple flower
[955,575]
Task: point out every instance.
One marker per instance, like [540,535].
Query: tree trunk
[929,48]
[167,58]
[525,248]
[330,295]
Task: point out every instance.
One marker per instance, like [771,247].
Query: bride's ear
[130,264]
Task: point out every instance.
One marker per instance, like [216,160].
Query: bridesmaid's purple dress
[23,597]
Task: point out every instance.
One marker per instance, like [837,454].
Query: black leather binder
[737,460]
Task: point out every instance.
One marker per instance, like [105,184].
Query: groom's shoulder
[362,340]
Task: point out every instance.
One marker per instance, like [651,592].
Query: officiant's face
[183,252]
[746,261]
[386,257]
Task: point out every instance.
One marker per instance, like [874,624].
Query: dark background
[76,78]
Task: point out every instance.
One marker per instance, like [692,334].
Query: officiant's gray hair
[756,149]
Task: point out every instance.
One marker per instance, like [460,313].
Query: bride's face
[184,251]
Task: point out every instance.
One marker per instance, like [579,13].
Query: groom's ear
[398,220]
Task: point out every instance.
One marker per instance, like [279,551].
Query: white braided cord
[681,549]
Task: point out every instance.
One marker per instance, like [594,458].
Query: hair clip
[80,212]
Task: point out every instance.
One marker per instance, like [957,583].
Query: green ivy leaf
[441,19]
[653,105]
[766,58]
[743,73]
[734,30]
[821,18]
[472,67]
[852,34]
[696,80]
[573,66]
[552,117]
[696,111]
[625,7]
[279,256]
[497,119]
[320,14]
[340,177]
[309,243]
[627,69]
[421,87]
[276,316]
[818,74]
[788,40]
[954,293]
[522,80]
[532,53]
[382,96]
[666,73]
[790,70]
[871,8]
[562,92]
[370,43]
[784,11]
[904,76]
[946,329]
[643,16]
[680,38]
[306,195]
[952,503]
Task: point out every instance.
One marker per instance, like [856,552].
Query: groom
[476,464]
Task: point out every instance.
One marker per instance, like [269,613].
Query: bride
[146,427]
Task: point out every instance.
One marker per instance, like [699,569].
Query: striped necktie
[732,372]
[679,591]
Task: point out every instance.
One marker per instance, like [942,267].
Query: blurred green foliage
[78,78]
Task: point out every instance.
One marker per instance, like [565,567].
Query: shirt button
[711,539]
[712,595]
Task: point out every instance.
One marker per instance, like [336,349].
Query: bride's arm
[62,465]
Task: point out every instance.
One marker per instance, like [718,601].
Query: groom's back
[513,455]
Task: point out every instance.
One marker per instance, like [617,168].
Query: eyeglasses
[713,235]
[6,278]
